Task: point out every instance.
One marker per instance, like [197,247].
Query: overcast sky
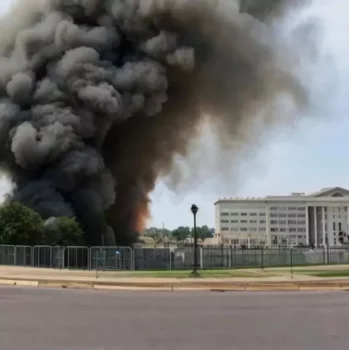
[308,159]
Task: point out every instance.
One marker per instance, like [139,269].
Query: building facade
[316,219]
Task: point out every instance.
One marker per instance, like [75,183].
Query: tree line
[20,225]
[180,233]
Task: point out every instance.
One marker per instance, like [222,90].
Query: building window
[339,226]
[292,229]
[243,229]
[273,208]
[274,229]
[253,221]
[282,215]
[234,221]
[300,208]
[282,229]
[253,214]
[292,208]
[224,221]
[273,215]
[225,228]
[253,229]
[282,222]
[261,229]
[243,221]
[300,215]
[292,215]
[243,214]
[292,222]
[261,214]
[224,214]
[301,222]
[273,222]
[234,214]
[334,226]
[301,229]
[262,221]
[234,229]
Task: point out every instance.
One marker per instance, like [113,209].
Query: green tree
[181,233]
[203,232]
[63,231]
[20,225]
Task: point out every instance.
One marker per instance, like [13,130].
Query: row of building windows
[290,229]
[244,229]
[272,215]
[291,215]
[242,214]
[288,222]
[247,242]
[243,221]
[287,208]
[334,209]
[277,240]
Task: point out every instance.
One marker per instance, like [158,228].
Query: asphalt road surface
[48,319]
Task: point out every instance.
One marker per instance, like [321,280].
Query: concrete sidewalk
[10,275]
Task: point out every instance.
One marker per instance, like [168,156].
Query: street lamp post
[194,209]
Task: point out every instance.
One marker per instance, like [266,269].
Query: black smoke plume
[99,96]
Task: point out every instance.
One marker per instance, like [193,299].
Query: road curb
[19,282]
[180,286]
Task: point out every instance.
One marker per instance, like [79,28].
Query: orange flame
[142,215]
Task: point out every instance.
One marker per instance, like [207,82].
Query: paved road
[45,319]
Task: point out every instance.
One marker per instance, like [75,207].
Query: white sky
[314,157]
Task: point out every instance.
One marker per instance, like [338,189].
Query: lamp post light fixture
[194,209]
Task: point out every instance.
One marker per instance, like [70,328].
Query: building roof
[328,194]
[331,192]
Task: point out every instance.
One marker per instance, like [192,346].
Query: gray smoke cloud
[99,96]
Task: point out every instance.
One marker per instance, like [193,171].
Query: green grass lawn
[187,274]
[319,271]
[324,273]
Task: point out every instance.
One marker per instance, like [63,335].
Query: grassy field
[228,273]
[316,271]
[325,273]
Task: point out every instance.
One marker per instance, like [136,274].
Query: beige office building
[299,219]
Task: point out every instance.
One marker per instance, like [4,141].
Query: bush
[20,225]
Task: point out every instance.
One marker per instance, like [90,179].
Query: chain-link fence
[172,258]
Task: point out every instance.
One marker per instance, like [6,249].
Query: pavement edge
[180,286]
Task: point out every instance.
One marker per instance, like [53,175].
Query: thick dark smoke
[99,96]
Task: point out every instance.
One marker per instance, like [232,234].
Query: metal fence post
[132,266]
[201,258]
[262,258]
[231,257]
[291,261]
[134,258]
